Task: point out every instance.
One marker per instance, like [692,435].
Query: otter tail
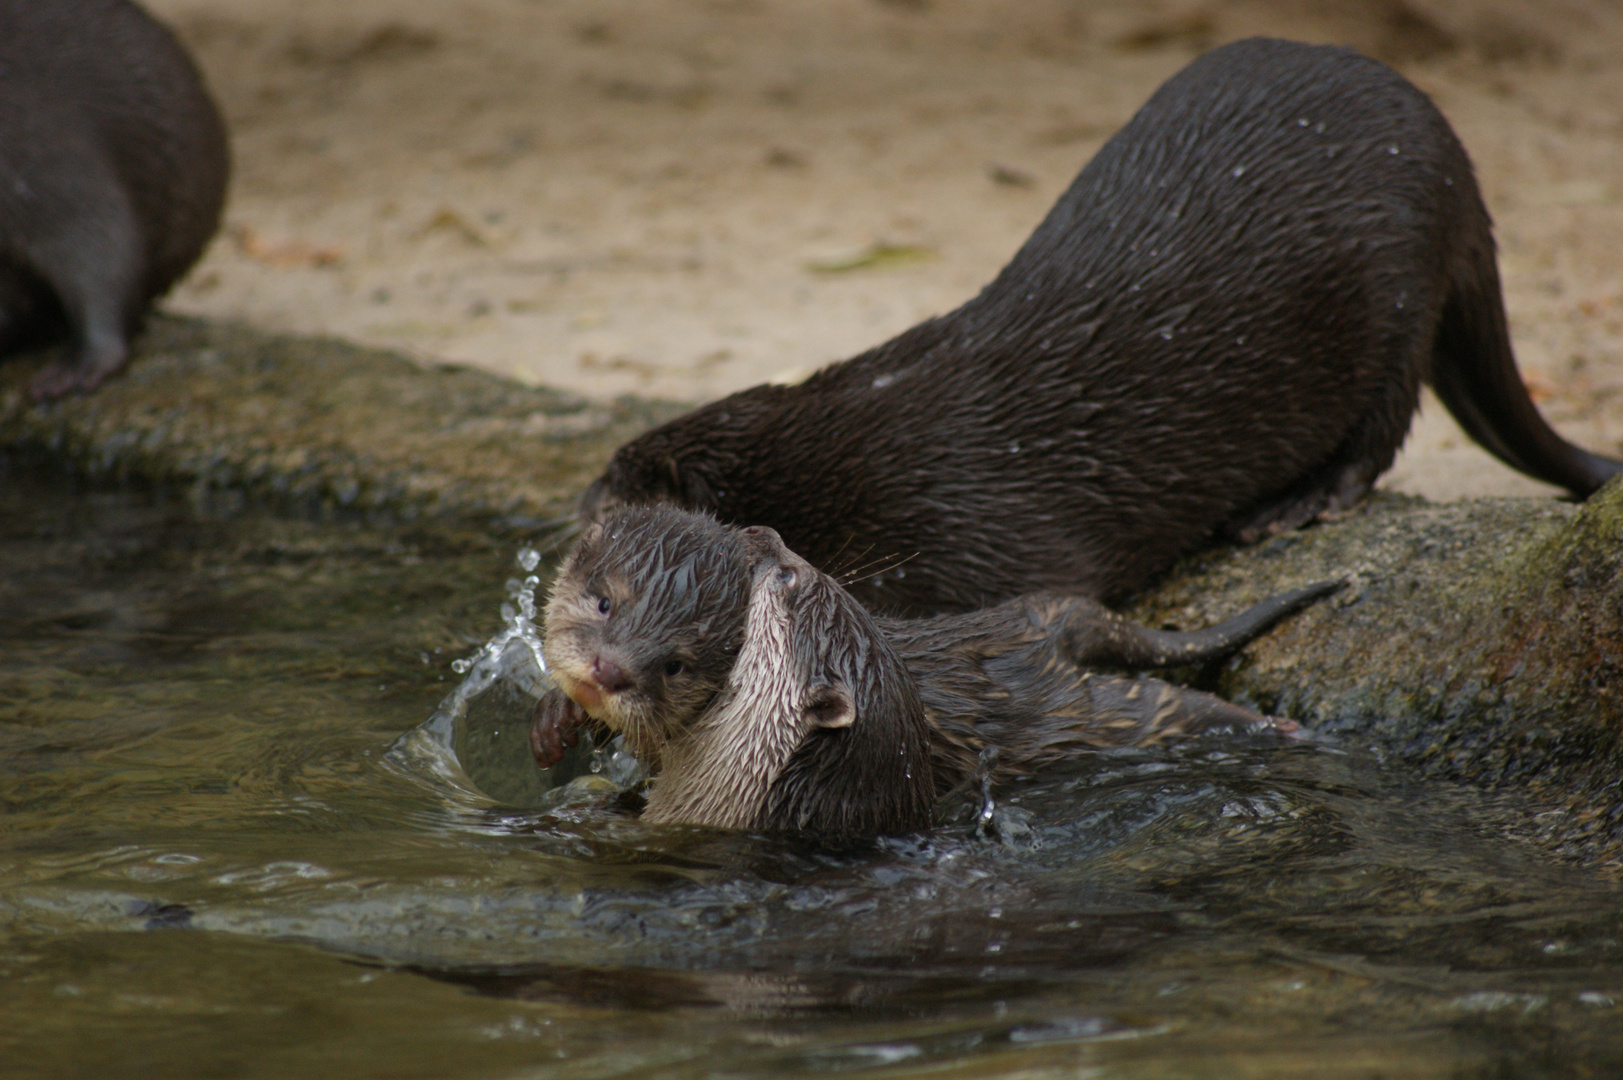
[1474,372]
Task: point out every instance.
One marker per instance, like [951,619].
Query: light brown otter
[643,622]
[1221,328]
[836,724]
[811,692]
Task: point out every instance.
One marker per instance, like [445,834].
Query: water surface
[229,848]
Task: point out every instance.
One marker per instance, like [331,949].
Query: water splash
[514,654]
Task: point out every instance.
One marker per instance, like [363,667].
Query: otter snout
[591,689]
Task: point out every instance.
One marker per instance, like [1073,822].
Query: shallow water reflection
[213,863]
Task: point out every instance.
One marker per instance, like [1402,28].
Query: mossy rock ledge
[1480,640]
[318,427]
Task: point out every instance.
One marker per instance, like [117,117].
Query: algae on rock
[1479,640]
[319,427]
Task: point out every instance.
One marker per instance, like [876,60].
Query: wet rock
[322,428]
[1480,640]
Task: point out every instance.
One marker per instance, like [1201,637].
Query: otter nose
[611,676]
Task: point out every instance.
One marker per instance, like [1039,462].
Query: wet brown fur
[821,718]
[1221,328]
[650,588]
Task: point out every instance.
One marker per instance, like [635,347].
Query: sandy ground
[683,198]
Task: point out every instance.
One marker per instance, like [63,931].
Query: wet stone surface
[317,427]
[1480,640]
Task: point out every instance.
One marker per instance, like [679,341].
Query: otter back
[1220,328]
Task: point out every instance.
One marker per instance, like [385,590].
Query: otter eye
[673,669]
[604,605]
[787,576]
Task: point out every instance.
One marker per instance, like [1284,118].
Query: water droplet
[461,666]
[529,558]
[1166,334]
[1392,149]
[1239,170]
[882,381]
[1302,122]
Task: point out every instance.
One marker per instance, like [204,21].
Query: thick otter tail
[1474,372]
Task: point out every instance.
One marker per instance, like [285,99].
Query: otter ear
[829,705]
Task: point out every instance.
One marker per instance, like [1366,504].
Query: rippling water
[228,850]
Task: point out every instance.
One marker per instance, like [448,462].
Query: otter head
[712,459]
[644,620]
[819,730]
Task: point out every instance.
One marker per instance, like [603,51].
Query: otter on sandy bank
[721,655]
[113,165]
[1220,328]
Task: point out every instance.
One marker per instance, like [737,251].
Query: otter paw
[554,727]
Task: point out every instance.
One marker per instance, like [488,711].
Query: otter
[1219,331]
[113,164]
[718,651]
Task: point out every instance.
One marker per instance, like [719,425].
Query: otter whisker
[883,568]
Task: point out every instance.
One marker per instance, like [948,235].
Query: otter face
[645,619]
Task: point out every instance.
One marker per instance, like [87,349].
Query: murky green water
[212,863]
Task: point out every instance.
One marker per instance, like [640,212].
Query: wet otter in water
[718,651]
[1221,328]
[113,165]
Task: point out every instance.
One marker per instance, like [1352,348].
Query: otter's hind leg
[1350,474]
[93,261]
[1400,358]
[1093,634]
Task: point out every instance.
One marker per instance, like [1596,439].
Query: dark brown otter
[720,654]
[1220,328]
[113,164]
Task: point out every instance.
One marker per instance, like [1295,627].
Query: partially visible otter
[1220,328]
[113,164]
[820,728]
[837,724]
[717,652]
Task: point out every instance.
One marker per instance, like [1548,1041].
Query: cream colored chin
[586,693]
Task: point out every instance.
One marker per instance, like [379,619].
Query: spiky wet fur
[767,757]
[908,706]
[678,589]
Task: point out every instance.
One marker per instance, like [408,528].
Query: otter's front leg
[1119,711]
[555,726]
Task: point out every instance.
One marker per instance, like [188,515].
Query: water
[232,847]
